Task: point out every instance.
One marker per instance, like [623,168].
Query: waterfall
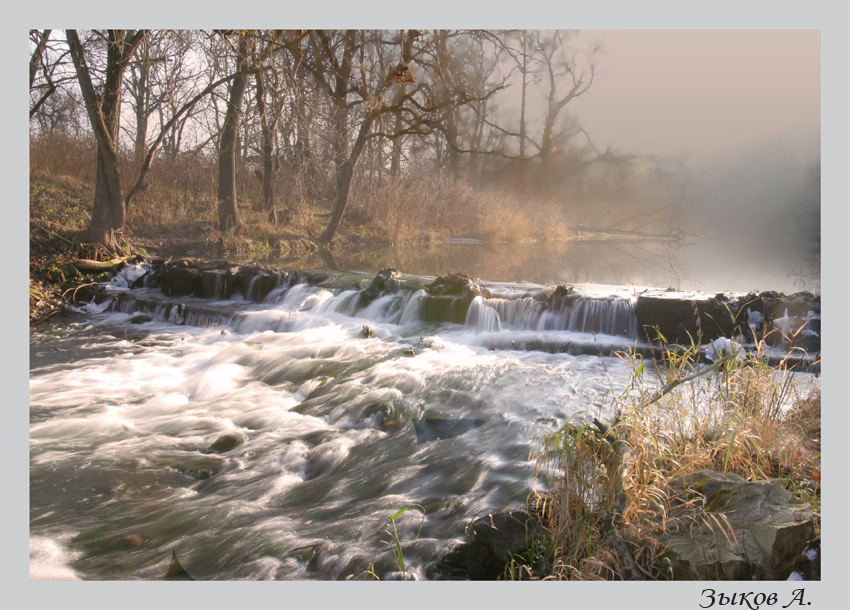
[289,293]
[609,316]
[412,311]
[482,317]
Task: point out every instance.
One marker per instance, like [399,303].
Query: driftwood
[644,234]
[85,264]
[679,381]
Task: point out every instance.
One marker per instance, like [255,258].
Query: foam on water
[50,559]
[324,417]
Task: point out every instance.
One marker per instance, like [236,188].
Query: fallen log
[85,264]
[645,234]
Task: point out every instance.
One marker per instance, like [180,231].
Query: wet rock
[216,284]
[225,443]
[255,285]
[200,473]
[455,284]
[89,293]
[768,528]
[437,428]
[686,317]
[183,263]
[175,570]
[132,540]
[489,545]
[383,280]
[807,565]
[140,319]
[366,331]
[305,554]
[313,277]
[180,281]
[563,296]
[440,309]
[795,322]
[562,290]
[210,265]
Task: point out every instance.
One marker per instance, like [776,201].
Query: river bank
[417,391]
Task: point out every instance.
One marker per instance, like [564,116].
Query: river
[274,440]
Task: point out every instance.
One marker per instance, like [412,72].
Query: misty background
[681,158]
[741,110]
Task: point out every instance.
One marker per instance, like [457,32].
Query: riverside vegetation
[609,482]
[175,216]
[611,501]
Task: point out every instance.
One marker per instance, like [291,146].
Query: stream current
[274,440]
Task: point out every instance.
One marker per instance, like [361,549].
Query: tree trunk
[444,60]
[395,158]
[522,126]
[104,112]
[345,163]
[38,53]
[268,148]
[228,213]
[344,175]
[142,95]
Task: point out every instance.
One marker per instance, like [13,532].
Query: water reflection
[712,265]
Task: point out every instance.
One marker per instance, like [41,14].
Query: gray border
[620,14]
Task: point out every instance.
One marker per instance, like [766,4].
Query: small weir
[265,424]
[575,319]
[526,317]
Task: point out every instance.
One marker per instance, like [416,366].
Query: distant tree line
[314,109]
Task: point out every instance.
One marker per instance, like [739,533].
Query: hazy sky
[700,92]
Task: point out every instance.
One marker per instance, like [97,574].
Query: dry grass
[742,417]
[437,208]
[180,196]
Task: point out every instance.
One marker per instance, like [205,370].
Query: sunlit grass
[737,416]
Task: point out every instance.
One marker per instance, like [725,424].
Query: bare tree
[228,212]
[559,65]
[334,69]
[104,111]
[49,74]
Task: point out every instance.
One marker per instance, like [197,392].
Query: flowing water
[719,263]
[274,440]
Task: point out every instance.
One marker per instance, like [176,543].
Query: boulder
[440,309]
[385,279]
[438,428]
[455,285]
[225,443]
[726,528]
[490,544]
[180,281]
[216,284]
[682,317]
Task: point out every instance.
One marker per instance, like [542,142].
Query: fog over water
[739,110]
